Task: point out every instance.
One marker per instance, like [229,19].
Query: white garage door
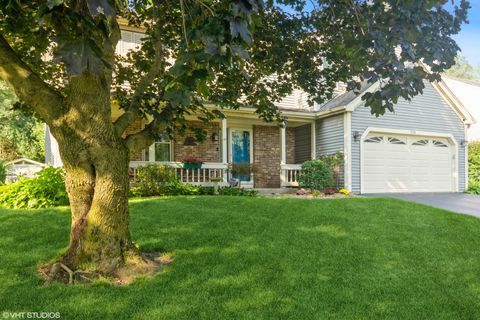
[394,163]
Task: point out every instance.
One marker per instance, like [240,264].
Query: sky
[469,38]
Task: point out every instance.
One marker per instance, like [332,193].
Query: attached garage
[407,163]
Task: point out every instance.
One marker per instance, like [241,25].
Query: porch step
[274,191]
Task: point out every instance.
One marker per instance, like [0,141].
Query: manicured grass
[250,258]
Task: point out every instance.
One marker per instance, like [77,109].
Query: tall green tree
[59,56]
[20,128]
[462,69]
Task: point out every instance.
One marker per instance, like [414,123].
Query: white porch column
[347,150]
[283,153]
[224,159]
[283,144]
[313,140]
[224,155]
[151,153]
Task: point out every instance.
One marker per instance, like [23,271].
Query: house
[421,147]
[468,92]
[22,167]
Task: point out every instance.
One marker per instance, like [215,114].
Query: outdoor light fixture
[463,143]
[215,136]
[356,136]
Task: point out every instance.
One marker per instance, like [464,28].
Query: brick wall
[266,155]
[208,150]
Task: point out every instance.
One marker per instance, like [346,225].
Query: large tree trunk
[100,235]
[96,161]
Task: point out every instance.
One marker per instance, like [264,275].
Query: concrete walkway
[456,202]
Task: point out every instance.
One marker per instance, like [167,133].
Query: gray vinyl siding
[329,135]
[329,138]
[427,112]
[303,143]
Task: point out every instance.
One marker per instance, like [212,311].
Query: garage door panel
[395,167]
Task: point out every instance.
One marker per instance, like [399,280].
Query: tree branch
[132,113]
[138,141]
[28,86]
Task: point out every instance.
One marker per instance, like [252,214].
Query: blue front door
[241,151]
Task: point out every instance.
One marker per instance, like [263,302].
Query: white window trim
[151,152]
[455,166]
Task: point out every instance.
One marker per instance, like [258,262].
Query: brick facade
[266,154]
[266,150]
[208,150]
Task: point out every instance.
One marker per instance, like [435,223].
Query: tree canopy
[19,128]
[462,69]
[197,52]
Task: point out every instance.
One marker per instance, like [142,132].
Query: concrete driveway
[456,202]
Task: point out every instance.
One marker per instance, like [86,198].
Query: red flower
[192,160]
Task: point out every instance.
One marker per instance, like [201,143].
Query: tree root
[59,272]
[70,272]
[148,265]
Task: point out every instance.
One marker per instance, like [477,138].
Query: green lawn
[254,258]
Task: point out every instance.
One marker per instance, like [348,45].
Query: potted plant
[192,163]
[241,169]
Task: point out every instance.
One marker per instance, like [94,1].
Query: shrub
[231,191]
[473,186]
[474,168]
[344,191]
[160,180]
[45,190]
[3,172]
[178,188]
[315,175]
[154,180]
[335,163]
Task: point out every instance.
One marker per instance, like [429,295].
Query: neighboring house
[468,92]
[22,167]
[421,147]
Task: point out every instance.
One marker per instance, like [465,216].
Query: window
[439,144]
[129,41]
[374,139]
[159,150]
[420,143]
[393,140]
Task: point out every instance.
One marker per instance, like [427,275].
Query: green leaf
[240,52]
[53,3]
[78,56]
[239,28]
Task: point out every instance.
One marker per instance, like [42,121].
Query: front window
[159,151]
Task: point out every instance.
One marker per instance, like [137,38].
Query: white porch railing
[289,174]
[197,176]
[202,176]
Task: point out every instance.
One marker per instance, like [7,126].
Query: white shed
[22,167]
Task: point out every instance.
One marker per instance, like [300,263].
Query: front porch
[275,154]
[219,172]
